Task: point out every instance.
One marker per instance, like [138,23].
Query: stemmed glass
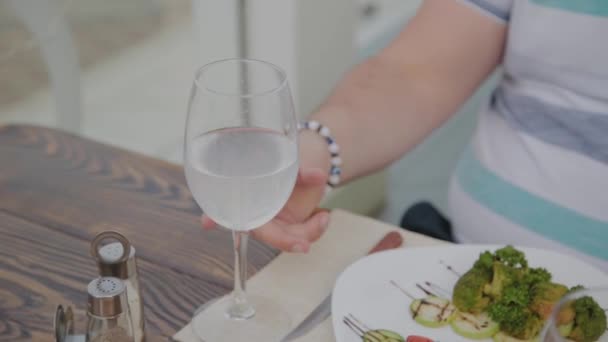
[241,163]
[561,328]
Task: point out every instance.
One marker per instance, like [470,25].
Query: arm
[388,104]
[391,102]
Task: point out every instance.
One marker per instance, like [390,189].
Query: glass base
[269,323]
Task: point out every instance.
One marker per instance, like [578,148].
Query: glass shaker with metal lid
[107,312]
[117,259]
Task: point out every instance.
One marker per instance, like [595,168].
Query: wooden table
[57,191]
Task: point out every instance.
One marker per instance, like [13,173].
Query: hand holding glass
[241,163]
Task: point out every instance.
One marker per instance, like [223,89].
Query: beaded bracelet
[334,150]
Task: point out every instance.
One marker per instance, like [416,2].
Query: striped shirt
[536,172]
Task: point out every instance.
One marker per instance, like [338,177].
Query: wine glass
[241,163]
[561,328]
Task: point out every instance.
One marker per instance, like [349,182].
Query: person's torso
[539,158]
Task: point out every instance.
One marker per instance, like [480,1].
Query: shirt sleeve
[499,9]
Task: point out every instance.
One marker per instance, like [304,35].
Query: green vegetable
[536,275]
[382,335]
[468,292]
[502,337]
[513,314]
[516,321]
[502,277]
[566,315]
[576,288]
[511,257]
[519,299]
[517,294]
[477,327]
[589,322]
[432,312]
[485,261]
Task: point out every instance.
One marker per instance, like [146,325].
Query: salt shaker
[117,259]
[108,312]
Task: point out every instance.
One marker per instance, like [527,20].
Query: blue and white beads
[336,162]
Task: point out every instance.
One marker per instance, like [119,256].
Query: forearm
[388,104]
[378,113]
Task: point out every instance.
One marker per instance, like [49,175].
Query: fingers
[317,225]
[313,228]
[294,238]
[276,236]
[306,177]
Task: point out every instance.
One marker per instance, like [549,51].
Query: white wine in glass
[241,163]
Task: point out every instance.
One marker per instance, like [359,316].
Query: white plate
[364,288]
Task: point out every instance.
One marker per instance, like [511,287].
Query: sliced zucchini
[382,335]
[476,327]
[390,334]
[502,337]
[432,312]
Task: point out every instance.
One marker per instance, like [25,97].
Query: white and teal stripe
[564,225]
[484,225]
[591,7]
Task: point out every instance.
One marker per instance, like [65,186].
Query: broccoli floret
[567,313]
[536,275]
[589,322]
[576,288]
[516,321]
[511,257]
[512,313]
[530,329]
[485,261]
[517,294]
[545,296]
[468,291]
[502,276]
[491,273]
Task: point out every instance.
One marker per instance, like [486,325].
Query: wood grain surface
[57,191]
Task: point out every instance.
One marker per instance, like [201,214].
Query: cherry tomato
[414,338]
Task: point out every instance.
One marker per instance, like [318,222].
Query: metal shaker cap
[64,323]
[116,259]
[107,297]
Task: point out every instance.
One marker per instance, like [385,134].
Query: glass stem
[240,308]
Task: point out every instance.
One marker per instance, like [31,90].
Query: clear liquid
[241,177]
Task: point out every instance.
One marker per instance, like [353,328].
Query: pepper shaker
[117,259]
